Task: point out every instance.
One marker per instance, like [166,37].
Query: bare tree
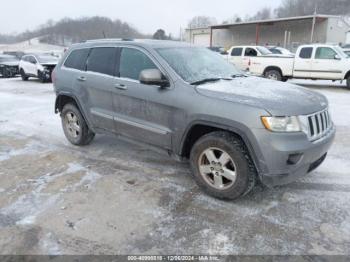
[232,20]
[263,14]
[201,22]
[301,7]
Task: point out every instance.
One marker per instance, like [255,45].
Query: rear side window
[132,62]
[236,51]
[77,59]
[250,52]
[306,52]
[102,60]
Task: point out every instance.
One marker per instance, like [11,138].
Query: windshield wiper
[207,80]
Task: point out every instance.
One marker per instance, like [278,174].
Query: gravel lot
[115,198]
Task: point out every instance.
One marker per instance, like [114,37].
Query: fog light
[293,159]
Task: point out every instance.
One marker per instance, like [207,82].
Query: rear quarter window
[77,59]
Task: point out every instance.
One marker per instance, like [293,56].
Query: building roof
[274,20]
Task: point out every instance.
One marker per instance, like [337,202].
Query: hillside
[68,31]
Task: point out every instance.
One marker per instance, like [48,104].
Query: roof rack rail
[109,40]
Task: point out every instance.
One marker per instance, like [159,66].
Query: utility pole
[313,25]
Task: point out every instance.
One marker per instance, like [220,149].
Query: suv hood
[279,99]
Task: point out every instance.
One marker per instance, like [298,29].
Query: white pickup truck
[240,55]
[326,62]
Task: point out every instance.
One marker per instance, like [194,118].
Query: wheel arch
[64,98]
[347,75]
[273,68]
[200,128]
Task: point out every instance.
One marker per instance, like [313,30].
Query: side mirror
[337,57]
[153,77]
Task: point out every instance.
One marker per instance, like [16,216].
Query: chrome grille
[318,125]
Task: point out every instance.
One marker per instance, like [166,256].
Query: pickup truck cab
[240,55]
[327,62]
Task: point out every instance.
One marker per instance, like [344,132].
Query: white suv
[39,66]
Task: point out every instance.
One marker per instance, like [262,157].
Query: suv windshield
[47,59]
[195,64]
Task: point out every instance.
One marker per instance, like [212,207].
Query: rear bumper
[291,156]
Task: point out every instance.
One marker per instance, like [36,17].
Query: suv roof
[136,42]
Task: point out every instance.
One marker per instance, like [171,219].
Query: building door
[202,40]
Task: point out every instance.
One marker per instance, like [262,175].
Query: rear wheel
[221,166]
[23,75]
[348,82]
[74,126]
[273,75]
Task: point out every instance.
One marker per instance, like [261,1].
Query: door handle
[121,86]
[82,78]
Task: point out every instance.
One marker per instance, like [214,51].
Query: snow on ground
[112,197]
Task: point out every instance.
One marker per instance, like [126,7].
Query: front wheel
[221,166]
[23,75]
[273,75]
[74,126]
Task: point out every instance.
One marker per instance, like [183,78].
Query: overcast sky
[145,15]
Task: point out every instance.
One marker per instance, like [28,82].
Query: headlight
[282,124]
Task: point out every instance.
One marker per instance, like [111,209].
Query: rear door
[248,53]
[98,85]
[325,65]
[142,112]
[303,63]
[235,57]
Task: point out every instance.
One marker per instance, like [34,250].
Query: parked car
[38,66]
[8,66]
[280,51]
[190,104]
[218,49]
[17,54]
[326,62]
[346,49]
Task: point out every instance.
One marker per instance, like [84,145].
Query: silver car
[191,104]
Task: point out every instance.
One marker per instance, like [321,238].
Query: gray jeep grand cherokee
[189,102]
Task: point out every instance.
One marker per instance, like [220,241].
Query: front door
[235,57]
[142,112]
[326,64]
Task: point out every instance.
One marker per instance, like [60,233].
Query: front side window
[250,52]
[195,63]
[325,53]
[306,52]
[77,59]
[32,60]
[132,62]
[236,51]
[102,60]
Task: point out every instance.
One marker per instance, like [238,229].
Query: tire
[41,77]
[23,75]
[74,126]
[348,82]
[273,75]
[207,175]
[284,79]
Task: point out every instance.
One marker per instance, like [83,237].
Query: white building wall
[337,30]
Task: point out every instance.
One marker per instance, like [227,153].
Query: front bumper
[289,156]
